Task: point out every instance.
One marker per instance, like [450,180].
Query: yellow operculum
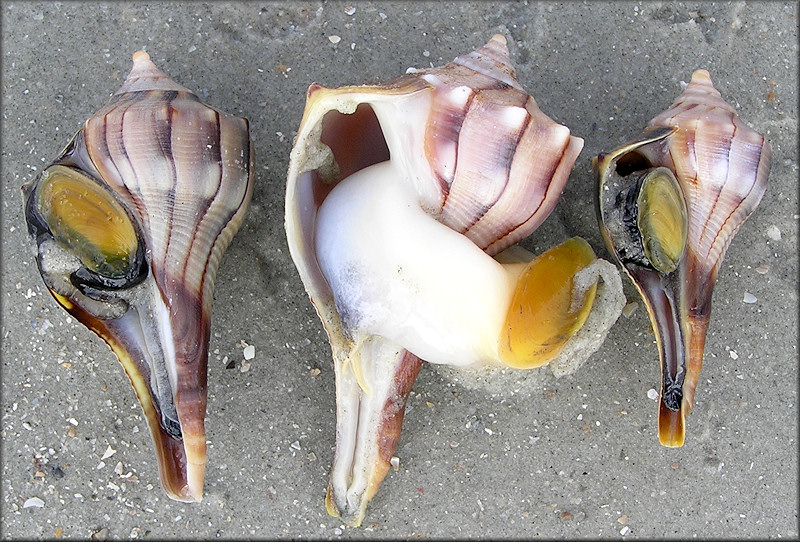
[546,308]
[89,221]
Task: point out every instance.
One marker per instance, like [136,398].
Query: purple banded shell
[131,221]
[714,168]
[462,147]
[721,163]
[457,126]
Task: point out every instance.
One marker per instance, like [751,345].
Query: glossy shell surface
[173,178]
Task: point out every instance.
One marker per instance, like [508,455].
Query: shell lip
[663,299]
[179,466]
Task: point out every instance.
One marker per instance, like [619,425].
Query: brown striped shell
[720,166]
[482,159]
[721,163]
[131,221]
[488,163]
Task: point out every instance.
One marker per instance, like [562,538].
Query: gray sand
[571,457]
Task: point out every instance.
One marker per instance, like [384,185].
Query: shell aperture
[130,222]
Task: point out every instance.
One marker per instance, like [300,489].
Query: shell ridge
[132,202]
[720,228]
[480,232]
[483,176]
[203,213]
[444,113]
[142,167]
[709,141]
[191,194]
[165,144]
[540,137]
[193,218]
[241,181]
[163,140]
[457,141]
[521,230]
[120,180]
[218,246]
[721,242]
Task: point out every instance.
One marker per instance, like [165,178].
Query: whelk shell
[669,204]
[403,206]
[130,223]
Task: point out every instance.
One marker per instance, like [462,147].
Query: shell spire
[145,76]
[492,60]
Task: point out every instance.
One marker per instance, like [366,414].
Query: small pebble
[762,269]
[349,10]
[774,233]
[395,462]
[109,452]
[652,394]
[625,531]
[629,309]
[749,298]
[334,39]
[249,352]
[35,502]
[733,354]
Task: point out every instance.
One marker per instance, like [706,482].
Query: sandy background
[574,457]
